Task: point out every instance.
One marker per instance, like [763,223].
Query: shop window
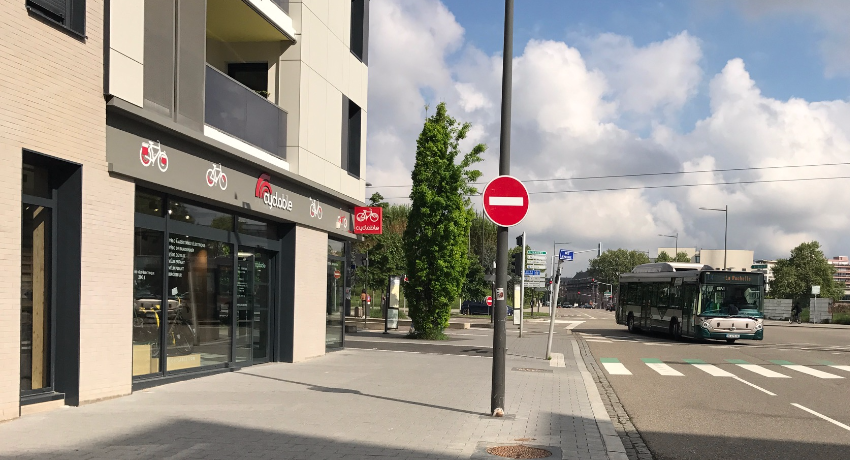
[192,214]
[149,203]
[147,300]
[252,227]
[70,14]
[200,302]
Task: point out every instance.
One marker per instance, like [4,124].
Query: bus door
[647,303]
[689,307]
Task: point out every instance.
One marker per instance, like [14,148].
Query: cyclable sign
[368,220]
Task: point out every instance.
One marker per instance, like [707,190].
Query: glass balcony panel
[239,111]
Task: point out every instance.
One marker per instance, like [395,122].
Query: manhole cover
[531,369]
[519,452]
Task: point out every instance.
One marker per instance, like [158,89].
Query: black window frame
[352,132]
[68,14]
[359,30]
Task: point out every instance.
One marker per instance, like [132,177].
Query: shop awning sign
[368,220]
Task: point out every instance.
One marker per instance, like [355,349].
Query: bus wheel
[730,341]
[630,323]
[675,329]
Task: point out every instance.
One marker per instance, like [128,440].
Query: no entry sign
[505,201]
[489,301]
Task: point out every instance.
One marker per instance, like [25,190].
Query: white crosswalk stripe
[762,371]
[813,372]
[840,367]
[663,369]
[713,370]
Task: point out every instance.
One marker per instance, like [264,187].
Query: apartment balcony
[249,20]
[233,110]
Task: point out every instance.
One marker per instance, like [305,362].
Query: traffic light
[599,250]
[519,241]
[516,264]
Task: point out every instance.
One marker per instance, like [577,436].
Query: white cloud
[568,122]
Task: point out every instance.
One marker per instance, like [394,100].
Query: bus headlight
[706,325]
[759,325]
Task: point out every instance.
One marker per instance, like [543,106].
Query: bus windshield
[731,300]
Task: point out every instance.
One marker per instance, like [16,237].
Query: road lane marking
[806,370]
[757,369]
[661,368]
[753,385]
[837,366]
[614,367]
[711,369]
[597,340]
[557,360]
[573,324]
[834,422]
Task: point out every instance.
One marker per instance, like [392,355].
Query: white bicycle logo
[151,152]
[367,214]
[342,222]
[214,175]
[315,208]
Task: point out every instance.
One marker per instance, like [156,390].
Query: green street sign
[531,253]
[757,266]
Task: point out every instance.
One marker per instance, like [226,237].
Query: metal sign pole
[522,286]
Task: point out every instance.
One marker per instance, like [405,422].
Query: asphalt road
[768,399]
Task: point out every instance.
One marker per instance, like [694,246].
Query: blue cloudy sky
[624,87]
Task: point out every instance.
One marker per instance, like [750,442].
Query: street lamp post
[725,231]
[676,236]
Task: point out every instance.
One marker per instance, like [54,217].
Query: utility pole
[552,305]
[497,394]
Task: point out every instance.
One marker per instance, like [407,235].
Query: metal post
[497,394]
[522,287]
[725,237]
[554,301]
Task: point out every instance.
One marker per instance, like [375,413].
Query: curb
[613,442]
[780,323]
[634,445]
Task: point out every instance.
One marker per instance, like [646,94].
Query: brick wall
[51,101]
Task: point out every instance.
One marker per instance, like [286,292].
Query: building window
[254,75]
[70,14]
[351,137]
[360,29]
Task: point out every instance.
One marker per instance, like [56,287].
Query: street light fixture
[677,242]
[725,232]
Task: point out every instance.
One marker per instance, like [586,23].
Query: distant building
[842,271]
[736,259]
[766,267]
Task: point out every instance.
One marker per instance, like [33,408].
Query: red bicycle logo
[342,222]
[367,214]
[151,152]
[215,176]
[315,208]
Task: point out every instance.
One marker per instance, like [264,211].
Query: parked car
[472,307]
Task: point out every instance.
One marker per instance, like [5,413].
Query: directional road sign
[540,258]
[534,284]
[536,266]
[566,255]
[532,272]
[536,253]
[505,201]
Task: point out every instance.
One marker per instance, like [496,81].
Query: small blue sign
[532,272]
[563,254]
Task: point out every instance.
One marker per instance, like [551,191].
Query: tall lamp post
[677,242]
[725,232]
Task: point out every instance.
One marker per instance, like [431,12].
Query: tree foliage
[386,251]
[682,256]
[437,235]
[475,287]
[807,267]
[663,257]
[608,266]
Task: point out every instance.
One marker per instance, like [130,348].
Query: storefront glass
[192,214]
[200,298]
[253,302]
[35,297]
[147,300]
[335,294]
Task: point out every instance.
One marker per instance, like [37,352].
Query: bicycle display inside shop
[188,306]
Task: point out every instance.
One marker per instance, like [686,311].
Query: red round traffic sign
[337,274]
[489,301]
[505,201]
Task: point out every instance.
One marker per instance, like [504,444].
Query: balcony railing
[239,111]
[283,4]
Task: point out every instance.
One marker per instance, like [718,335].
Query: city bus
[692,300]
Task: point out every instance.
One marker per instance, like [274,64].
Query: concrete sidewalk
[771,322]
[347,405]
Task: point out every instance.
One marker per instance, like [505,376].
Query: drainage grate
[519,451]
[531,369]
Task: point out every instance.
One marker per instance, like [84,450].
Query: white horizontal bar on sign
[507,201]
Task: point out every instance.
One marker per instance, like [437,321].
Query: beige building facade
[734,259]
[181,181]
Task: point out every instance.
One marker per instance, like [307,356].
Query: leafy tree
[682,256]
[386,251]
[475,287]
[807,267]
[608,267]
[436,238]
[663,257]
[482,240]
